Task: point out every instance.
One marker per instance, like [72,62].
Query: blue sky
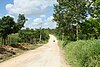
[2,6]
[37,11]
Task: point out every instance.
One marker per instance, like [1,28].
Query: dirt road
[48,55]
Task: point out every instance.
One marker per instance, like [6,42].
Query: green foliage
[20,23]
[71,17]
[32,36]
[90,29]
[68,13]
[83,53]
[45,35]
[8,26]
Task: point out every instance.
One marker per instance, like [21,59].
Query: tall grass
[83,53]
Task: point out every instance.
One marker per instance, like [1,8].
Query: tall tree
[20,23]
[8,26]
[69,14]
[21,20]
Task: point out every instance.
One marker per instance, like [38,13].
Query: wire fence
[15,41]
[10,41]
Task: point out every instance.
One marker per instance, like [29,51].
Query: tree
[94,9]
[7,23]
[20,23]
[21,20]
[8,26]
[69,14]
[91,27]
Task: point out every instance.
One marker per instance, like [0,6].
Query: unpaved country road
[48,55]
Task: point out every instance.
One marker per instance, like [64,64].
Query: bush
[83,53]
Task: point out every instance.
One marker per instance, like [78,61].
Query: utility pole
[40,34]
[40,31]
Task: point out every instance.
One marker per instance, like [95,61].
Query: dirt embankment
[8,52]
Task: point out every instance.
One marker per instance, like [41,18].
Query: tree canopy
[9,26]
[70,14]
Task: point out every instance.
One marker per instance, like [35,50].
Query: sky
[38,12]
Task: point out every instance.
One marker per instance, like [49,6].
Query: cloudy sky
[38,12]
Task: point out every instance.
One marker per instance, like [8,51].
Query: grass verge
[83,53]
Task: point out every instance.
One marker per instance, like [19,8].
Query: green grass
[83,53]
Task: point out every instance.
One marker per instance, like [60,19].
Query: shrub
[83,53]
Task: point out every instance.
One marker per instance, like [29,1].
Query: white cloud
[29,7]
[42,16]
[36,23]
[33,23]
[49,23]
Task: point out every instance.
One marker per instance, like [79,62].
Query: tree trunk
[4,41]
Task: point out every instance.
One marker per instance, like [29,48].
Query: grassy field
[83,53]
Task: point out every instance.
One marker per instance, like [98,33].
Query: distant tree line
[33,35]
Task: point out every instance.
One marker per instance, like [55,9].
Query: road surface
[49,55]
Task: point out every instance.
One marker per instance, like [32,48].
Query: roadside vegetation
[83,53]
[79,29]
